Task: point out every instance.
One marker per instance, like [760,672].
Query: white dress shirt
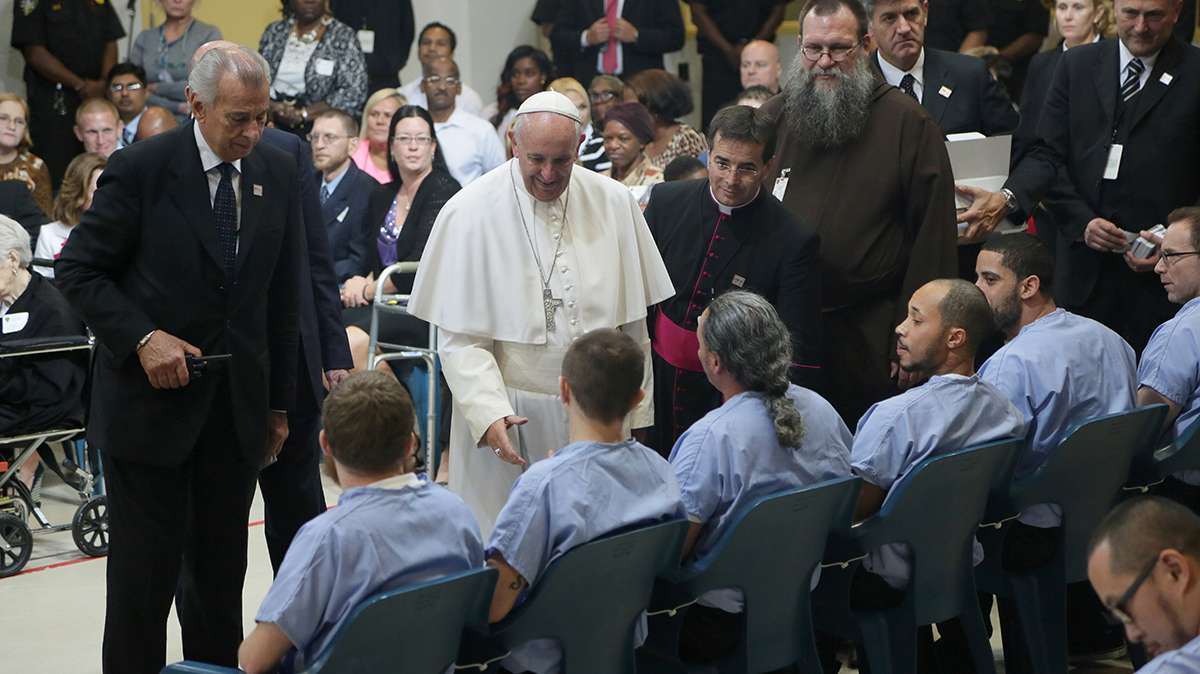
[209,161]
[893,75]
[1126,57]
[469,145]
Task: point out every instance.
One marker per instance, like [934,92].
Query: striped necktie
[1133,74]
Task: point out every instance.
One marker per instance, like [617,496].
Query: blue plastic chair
[1083,476]
[935,508]
[411,630]
[589,601]
[1183,454]
[768,552]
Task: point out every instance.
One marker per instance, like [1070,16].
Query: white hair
[14,237]
[519,119]
[247,65]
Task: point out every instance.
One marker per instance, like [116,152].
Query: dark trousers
[720,84]
[178,529]
[53,131]
[291,487]
[1131,304]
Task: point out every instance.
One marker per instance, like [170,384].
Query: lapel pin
[258,190]
[1166,78]
[945,92]
[739,280]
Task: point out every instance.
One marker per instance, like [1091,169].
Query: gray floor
[52,616]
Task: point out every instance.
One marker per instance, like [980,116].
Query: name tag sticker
[1166,79]
[342,216]
[1113,168]
[945,92]
[14,322]
[739,280]
[324,67]
[781,184]
[257,189]
[366,40]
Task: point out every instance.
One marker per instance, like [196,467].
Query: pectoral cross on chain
[549,304]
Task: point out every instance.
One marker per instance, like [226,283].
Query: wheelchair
[422,384]
[89,526]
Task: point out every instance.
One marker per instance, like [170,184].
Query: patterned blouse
[337,71]
[31,170]
[686,141]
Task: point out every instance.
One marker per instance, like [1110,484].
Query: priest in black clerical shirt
[727,233]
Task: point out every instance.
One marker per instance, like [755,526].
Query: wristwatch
[1010,200]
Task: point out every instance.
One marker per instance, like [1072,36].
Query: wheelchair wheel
[19,541]
[89,527]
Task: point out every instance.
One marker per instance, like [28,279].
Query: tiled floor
[52,616]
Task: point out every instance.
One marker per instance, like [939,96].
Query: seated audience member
[769,435]
[600,483]
[36,392]
[74,198]
[1144,561]
[98,126]
[668,99]
[343,190]
[754,96]
[953,410]
[527,70]
[684,168]
[316,64]
[604,92]
[468,143]
[367,544]
[127,90]
[17,203]
[572,89]
[16,161]
[155,120]
[760,66]
[1055,389]
[373,154]
[166,51]
[628,129]
[1169,372]
[436,41]
[400,216]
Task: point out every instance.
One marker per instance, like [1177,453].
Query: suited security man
[1120,123]
[343,189]
[618,37]
[957,90]
[188,249]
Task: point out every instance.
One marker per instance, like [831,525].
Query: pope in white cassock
[522,261]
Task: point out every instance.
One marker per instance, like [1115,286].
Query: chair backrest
[1183,454]
[1084,474]
[589,599]
[411,629]
[936,508]
[769,552]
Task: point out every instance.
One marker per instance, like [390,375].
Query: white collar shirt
[209,161]
[893,75]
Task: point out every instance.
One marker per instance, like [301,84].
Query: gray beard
[827,117]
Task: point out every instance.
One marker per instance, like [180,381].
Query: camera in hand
[1141,248]
[198,365]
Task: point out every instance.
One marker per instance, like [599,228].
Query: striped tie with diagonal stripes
[1133,74]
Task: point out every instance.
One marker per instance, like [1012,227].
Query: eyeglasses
[1167,258]
[132,86]
[434,80]
[1120,609]
[740,171]
[602,96]
[412,140]
[814,52]
[323,138]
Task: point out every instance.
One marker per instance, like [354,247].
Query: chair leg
[977,639]
[889,641]
[1041,603]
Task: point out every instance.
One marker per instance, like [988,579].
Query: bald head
[545,145]
[760,65]
[155,120]
[209,46]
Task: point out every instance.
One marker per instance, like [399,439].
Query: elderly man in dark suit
[618,38]
[1119,145]
[957,90]
[188,250]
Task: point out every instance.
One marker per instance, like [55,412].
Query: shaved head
[155,120]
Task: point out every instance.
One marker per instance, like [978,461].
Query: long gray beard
[828,117]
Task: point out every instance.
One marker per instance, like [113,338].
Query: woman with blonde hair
[73,200]
[16,161]
[592,140]
[372,153]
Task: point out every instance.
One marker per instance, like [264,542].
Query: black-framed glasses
[1169,258]
[837,53]
[602,96]
[132,86]
[434,80]
[1120,609]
